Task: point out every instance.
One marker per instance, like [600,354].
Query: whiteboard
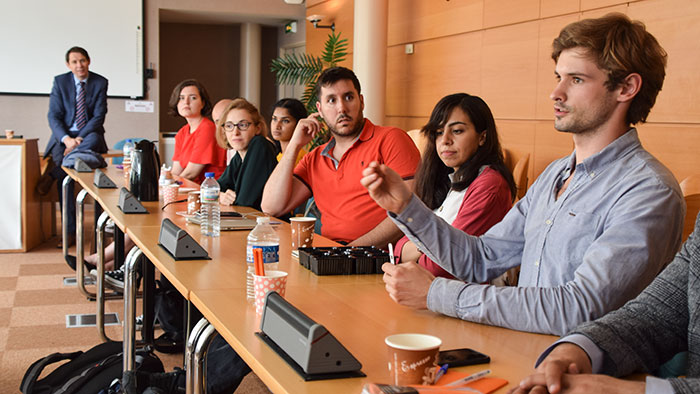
[35,35]
[11,197]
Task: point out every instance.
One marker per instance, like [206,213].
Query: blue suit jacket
[62,114]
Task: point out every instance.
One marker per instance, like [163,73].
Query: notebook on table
[228,224]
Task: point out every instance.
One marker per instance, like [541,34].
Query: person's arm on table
[190,172]
[227,198]
[284,192]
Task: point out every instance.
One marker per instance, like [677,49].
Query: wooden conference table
[355,309]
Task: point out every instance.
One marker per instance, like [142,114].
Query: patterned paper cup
[170,193]
[412,358]
[263,284]
[302,232]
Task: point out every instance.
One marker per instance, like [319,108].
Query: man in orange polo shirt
[332,172]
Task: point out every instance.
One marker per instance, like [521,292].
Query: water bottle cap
[208,174]
[263,219]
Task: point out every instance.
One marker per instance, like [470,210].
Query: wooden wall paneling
[550,8]
[406,123]
[550,145]
[509,70]
[675,145]
[549,29]
[598,12]
[417,20]
[339,11]
[437,67]
[595,4]
[518,136]
[676,25]
[506,12]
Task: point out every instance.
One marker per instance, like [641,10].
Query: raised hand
[386,187]
[306,130]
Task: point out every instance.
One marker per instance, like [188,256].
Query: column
[369,55]
[250,62]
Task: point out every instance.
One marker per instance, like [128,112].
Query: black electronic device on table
[461,357]
[308,347]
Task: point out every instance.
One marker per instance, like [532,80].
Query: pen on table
[392,259]
[440,372]
[470,378]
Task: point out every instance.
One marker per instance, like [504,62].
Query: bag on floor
[87,372]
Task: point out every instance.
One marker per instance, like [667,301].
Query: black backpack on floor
[87,372]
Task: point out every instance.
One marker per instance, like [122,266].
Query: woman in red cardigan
[462,176]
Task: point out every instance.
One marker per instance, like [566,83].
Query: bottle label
[270,253]
[209,195]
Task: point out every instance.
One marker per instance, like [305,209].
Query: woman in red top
[462,175]
[196,150]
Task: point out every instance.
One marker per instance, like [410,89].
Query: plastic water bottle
[264,237]
[211,213]
[126,161]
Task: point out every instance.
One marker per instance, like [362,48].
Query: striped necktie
[80,109]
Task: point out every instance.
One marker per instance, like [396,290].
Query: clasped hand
[567,370]
[71,143]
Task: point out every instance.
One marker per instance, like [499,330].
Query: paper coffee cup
[9,134]
[412,358]
[302,232]
[263,284]
[170,193]
[193,203]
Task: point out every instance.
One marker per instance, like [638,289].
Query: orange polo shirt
[347,210]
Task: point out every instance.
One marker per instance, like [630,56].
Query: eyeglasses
[242,125]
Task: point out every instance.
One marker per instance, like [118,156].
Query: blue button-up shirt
[583,254]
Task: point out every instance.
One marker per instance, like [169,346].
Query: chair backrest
[119,145]
[518,166]
[690,187]
[419,139]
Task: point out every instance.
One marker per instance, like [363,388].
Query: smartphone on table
[461,357]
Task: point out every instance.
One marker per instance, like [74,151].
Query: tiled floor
[33,308]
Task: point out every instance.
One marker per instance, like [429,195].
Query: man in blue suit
[77,109]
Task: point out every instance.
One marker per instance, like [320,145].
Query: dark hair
[619,46]
[175,97]
[332,75]
[295,108]
[432,180]
[77,50]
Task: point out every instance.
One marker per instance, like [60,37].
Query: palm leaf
[335,50]
[296,69]
[309,96]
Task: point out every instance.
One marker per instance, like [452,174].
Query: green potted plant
[304,69]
